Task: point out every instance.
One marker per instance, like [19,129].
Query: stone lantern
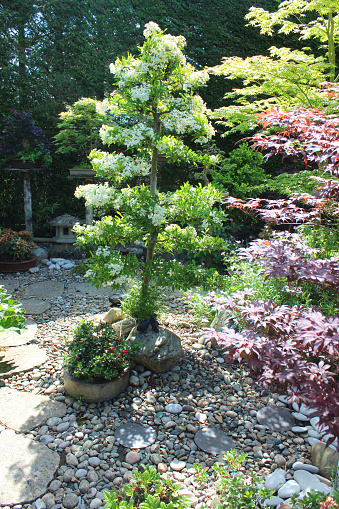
[63,229]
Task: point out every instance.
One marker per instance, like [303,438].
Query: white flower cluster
[114,268]
[150,29]
[209,132]
[130,136]
[158,215]
[98,195]
[181,122]
[167,49]
[123,166]
[103,251]
[141,93]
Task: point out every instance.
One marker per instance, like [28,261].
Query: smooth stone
[325,458]
[45,289]
[313,441]
[298,465]
[132,457]
[306,480]
[135,436]
[300,417]
[26,468]
[303,409]
[19,338]
[288,489]
[177,465]
[68,266]
[80,473]
[23,411]
[276,418]
[275,480]
[70,500]
[299,429]
[46,439]
[214,441]
[35,306]
[283,399]
[20,359]
[273,502]
[173,408]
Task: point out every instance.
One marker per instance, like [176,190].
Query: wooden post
[89,215]
[28,201]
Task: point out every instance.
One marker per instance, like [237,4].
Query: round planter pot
[91,392]
[18,266]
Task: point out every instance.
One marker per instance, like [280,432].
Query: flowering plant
[153,108]
[15,246]
[23,139]
[96,353]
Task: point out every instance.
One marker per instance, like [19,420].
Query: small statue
[144,324]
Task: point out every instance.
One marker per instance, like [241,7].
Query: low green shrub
[237,491]
[146,490]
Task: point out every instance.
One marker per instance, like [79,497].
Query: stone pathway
[64,453]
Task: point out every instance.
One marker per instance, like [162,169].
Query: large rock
[325,458]
[40,253]
[114,315]
[224,318]
[124,326]
[26,468]
[160,351]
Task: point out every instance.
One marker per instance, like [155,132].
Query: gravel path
[210,393]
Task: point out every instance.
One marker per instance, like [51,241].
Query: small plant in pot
[96,367]
[22,142]
[15,246]
[16,250]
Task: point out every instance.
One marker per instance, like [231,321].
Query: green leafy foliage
[290,17]
[146,490]
[11,313]
[237,490]
[241,173]
[96,353]
[141,306]
[79,129]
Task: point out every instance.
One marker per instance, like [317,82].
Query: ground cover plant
[153,110]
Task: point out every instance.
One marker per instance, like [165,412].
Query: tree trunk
[28,202]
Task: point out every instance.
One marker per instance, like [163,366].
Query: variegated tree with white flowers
[152,111]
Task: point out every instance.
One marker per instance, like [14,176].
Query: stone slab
[45,290]
[23,411]
[20,359]
[135,436]
[277,419]
[19,338]
[214,441]
[10,284]
[35,306]
[26,468]
[87,289]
